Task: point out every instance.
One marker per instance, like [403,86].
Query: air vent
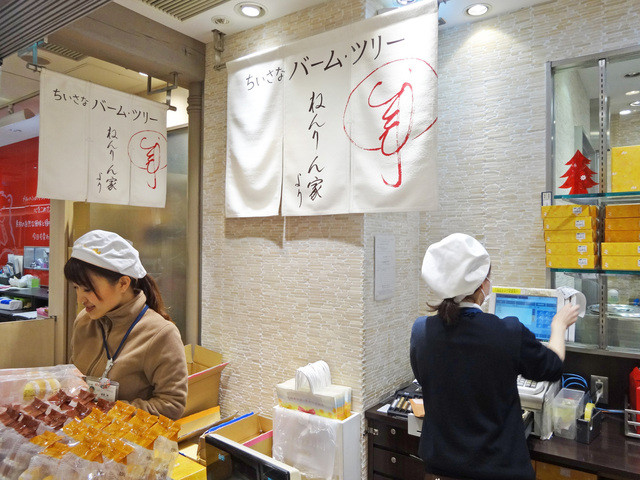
[24,22]
[184,9]
[63,52]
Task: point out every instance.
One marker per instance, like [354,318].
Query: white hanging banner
[316,167]
[254,136]
[359,120]
[100,145]
[391,113]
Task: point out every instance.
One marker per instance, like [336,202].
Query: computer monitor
[233,461]
[534,307]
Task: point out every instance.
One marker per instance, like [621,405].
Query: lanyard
[111,359]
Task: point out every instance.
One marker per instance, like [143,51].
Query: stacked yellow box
[621,248]
[571,235]
[625,169]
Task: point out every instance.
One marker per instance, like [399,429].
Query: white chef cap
[110,251]
[455,266]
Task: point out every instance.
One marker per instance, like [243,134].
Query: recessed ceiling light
[625,112]
[477,9]
[632,75]
[250,9]
[633,92]
[635,104]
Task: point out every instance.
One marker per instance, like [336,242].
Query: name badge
[103,388]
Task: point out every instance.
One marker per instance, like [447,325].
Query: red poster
[24,218]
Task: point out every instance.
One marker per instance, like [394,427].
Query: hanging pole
[166,89]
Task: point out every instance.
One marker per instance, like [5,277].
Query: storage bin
[567,407]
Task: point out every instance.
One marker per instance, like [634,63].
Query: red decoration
[578,175]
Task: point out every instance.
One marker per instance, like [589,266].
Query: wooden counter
[611,456]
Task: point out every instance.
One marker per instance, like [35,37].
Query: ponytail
[448,311]
[154,299]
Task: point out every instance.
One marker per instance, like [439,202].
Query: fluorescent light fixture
[633,92]
[143,74]
[477,9]
[635,104]
[250,9]
[16,117]
[625,112]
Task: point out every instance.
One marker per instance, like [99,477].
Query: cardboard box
[621,262]
[569,211]
[194,425]
[205,367]
[187,469]
[565,236]
[622,211]
[622,235]
[571,248]
[620,248]
[251,430]
[572,261]
[632,223]
[570,223]
[625,168]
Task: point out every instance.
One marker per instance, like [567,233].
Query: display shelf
[591,271]
[593,198]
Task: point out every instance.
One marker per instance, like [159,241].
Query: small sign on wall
[384,266]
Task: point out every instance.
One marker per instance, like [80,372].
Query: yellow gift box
[622,211]
[569,211]
[622,235]
[625,168]
[566,236]
[572,261]
[622,223]
[620,248]
[571,248]
[621,262]
[570,223]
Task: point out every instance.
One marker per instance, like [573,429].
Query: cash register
[535,308]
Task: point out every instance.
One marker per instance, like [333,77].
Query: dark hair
[77,271]
[448,310]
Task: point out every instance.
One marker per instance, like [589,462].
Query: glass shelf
[592,198]
[594,271]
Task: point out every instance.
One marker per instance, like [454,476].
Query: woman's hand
[566,317]
[562,320]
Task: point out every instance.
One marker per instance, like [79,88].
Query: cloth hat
[455,266]
[108,250]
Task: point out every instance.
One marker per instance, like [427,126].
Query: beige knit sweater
[151,367]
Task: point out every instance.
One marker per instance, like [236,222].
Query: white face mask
[487,293]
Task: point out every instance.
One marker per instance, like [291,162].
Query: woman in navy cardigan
[467,363]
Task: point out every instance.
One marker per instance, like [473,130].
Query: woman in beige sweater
[124,332]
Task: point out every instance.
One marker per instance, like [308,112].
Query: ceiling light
[402,3]
[635,104]
[625,112]
[143,74]
[633,92]
[632,75]
[15,117]
[477,9]
[250,9]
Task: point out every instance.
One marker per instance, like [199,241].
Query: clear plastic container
[567,406]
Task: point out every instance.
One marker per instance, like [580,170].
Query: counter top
[611,454]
